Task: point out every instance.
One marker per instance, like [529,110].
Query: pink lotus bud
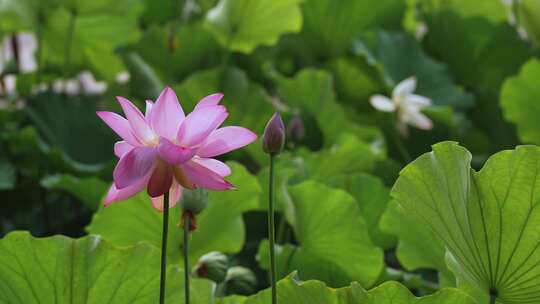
[296,130]
[274,135]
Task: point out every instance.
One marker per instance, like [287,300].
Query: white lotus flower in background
[421,30]
[123,77]
[83,84]
[26,49]
[407,106]
[89,84]
[8,87]
[513,19]
[508,2]
[22,46]
[522,32]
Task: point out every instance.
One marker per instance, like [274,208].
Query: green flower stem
[39,51]
[492,299]
[164,238]
[396,137]
[220,290]
[271,232]
[186,257]
[401,148]
[15,50]
[69,42]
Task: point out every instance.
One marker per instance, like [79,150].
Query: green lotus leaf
[89,270]
[418,248]
[195,48]
[528,12]
[355,80]
[484,37]
[64,121]
[433,77]
[32,152]
[87,189]
[334,166]
[491,10]
[340,160]
[242,25]
[219,227]
[143,81]
[372,197]
[334,245]
[311,93]
[519,99]
[293,291]
[24,15]
[486,220]
[330,26]
[160,12]
[99,27]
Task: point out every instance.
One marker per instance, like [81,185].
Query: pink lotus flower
[165,150]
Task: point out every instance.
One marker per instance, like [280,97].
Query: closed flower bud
[212,266]
[194,201]
[274,135]
[296,130]
[240,280]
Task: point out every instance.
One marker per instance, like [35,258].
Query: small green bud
[240,280]
[274,135]
[213,266]
[194,201]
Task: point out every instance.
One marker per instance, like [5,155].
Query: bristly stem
[271,228]
[164,238]
[187,224]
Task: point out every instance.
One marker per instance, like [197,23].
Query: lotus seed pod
[194,201]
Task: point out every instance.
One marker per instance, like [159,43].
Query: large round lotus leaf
[89,270]
[488,221]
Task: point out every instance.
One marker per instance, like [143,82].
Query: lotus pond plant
[165,151]
[397,158]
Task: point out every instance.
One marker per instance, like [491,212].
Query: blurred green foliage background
[316,61]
